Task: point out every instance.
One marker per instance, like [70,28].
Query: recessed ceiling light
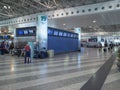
[9,7]
[64,24]
[94,21]
[90,26]
[5,7]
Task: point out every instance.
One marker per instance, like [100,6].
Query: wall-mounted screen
[60,33]
[50,32]
[1,37]
[65,34]
[27,31]
[6,37]
[55,33]
[92,39]
[72,36]
[68,35]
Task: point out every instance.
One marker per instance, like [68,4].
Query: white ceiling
[17,8]
[105,19]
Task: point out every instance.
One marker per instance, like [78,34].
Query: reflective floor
[63,72]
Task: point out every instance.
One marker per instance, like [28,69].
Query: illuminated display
[71,35]
[20,32]
[31,32]
[68,35]
[6,37]
[28,31]
[25,32]
[1,37]
[65,34]
[50,32]
[56,33]
[60,33]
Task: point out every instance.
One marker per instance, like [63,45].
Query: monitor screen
[25,32]
[72,35]
[28,31]
[31,32]
[50,32]
[68,35]
[20,32]
[60,33]
[65,34]
[6,37]
[56,33]
[1,37]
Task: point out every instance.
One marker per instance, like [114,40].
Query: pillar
[78,30]
[42,31]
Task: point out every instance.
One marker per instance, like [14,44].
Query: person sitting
[18,51]
[43,53]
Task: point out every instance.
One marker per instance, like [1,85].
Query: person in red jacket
[27,53]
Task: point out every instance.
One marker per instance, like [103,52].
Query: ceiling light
[5,7]
[94,21]
[8,7]
[12,35]
[64,24]
[90,26]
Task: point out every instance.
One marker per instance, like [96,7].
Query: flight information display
[65,34]
[55,33]
[71,36]
[28,31]
[60,33]
[68,35]
[6,37]
[50,32]
[1,37]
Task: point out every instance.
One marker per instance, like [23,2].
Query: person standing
[2,48]
[27,54]
[11,48]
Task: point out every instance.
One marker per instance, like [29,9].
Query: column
[42,31]
[78,30]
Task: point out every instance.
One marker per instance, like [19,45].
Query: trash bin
[50,53]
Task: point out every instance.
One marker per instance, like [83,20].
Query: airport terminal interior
[59,44]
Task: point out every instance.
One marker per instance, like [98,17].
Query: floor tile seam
[14,81]
[4,69]
[34,73]
[57,84]
[99,80]
[41,81]
[51,74]
[113,77]
[72,86]
[57,59]
[41,63]
[56,67]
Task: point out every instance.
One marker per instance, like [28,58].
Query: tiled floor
[63,72]
[113,80]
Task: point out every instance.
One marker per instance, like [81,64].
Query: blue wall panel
[62,44]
